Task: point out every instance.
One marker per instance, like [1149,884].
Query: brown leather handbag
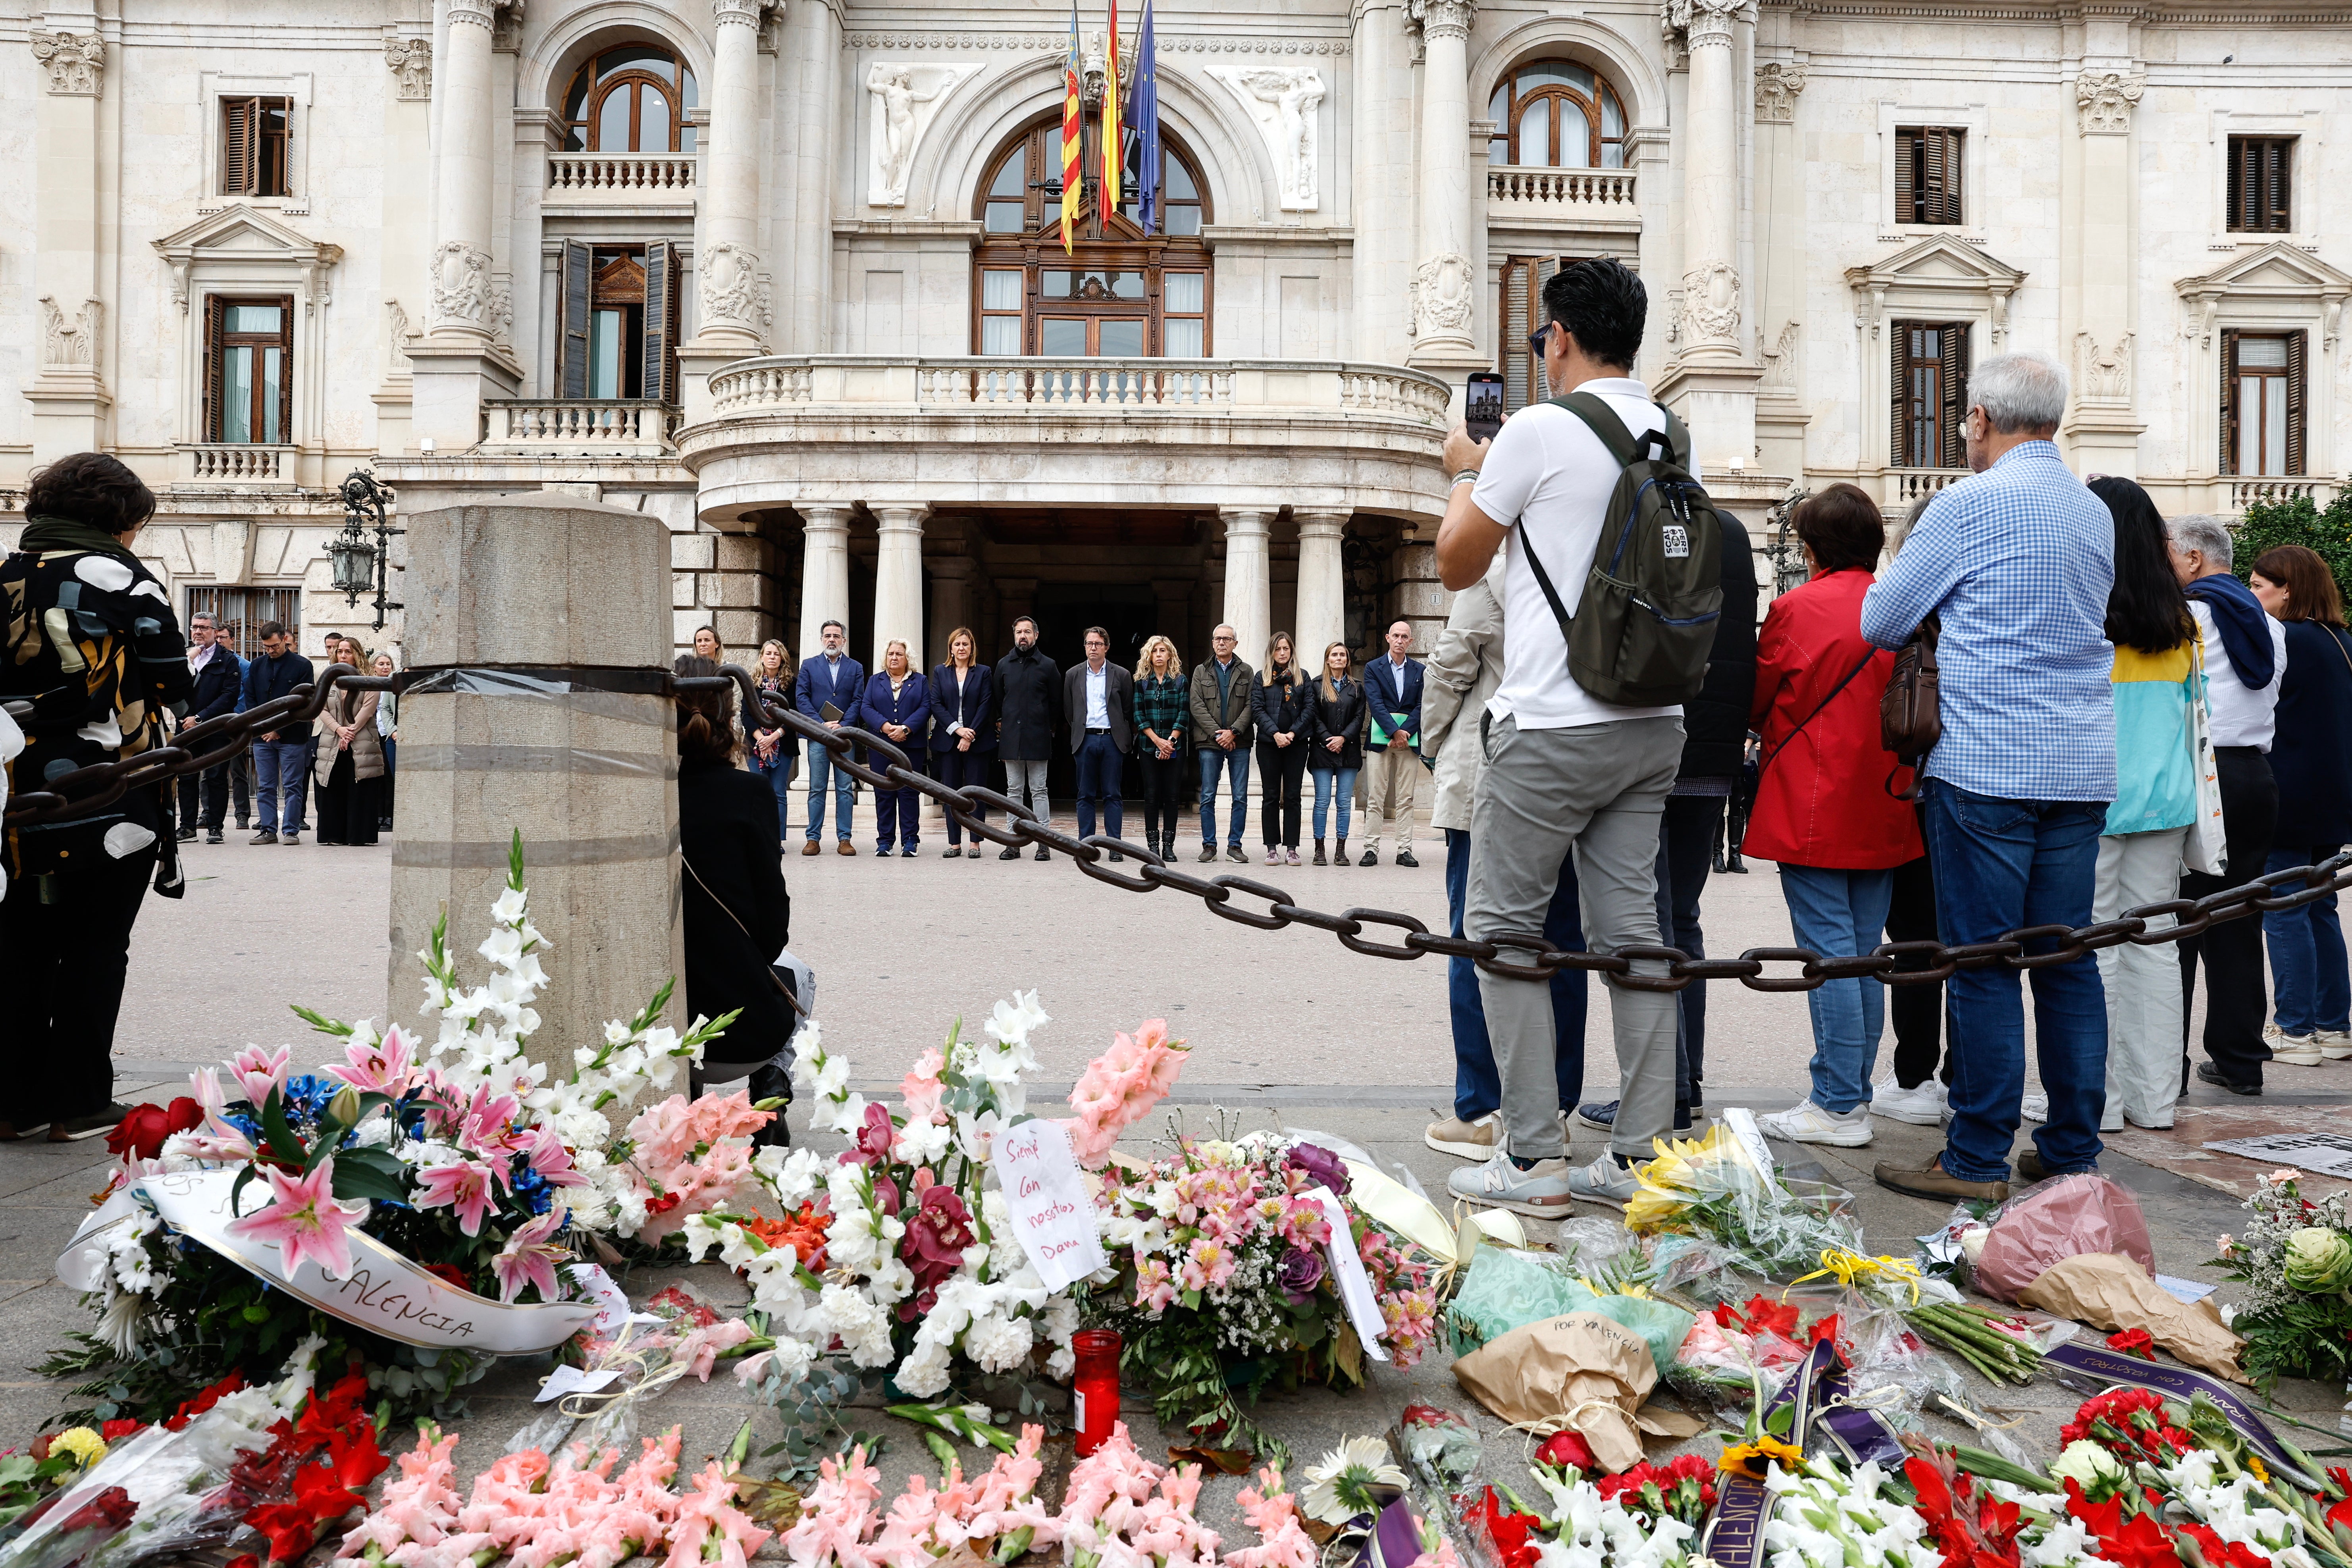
[1910,718]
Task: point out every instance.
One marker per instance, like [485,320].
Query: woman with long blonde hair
[1161,724]
[897,707]
[1336,750]
[772,755]
[964,725]
[1283,706]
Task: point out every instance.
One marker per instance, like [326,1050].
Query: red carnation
[450,1274]
[112,1430]
[110,1510]
[2134,1342]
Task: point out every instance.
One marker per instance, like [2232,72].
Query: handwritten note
[612,1308]
[1051,1212]
[1347,1270]
[569,1378]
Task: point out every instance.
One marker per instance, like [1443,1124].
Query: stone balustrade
[239,465]
[583,426]
[577,176]
[1904,486]
[1599,192]
[2246,492]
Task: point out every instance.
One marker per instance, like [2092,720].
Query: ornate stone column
[825,571]
[69,393]
[898,579]
[1712,383]
[728,263]
[1248,579]
[1445,284]
[1322,583]
[460,361]
[2097,294]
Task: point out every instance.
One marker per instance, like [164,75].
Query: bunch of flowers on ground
[2297,1257]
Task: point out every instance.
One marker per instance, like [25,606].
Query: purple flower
[1300,1270]
[1321,1166]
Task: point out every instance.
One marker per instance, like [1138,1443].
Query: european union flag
[1143,114]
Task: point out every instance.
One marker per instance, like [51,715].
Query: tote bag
[2206,851]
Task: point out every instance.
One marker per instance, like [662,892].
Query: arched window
[1120,293]
[633,97]
[1556,114]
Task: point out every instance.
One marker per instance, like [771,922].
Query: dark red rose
[1298,1273]
[450,1274]
[140,1134]
[1567,1450]
[109,1510]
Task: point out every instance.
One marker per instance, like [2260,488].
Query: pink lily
[529,1259]
[383,1068]
[548,1156]
[258,1071]
[487,1119]
[204,1084]
[464,1186]
[305,1220]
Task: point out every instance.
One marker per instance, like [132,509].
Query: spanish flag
[1072,130]
[1114,157]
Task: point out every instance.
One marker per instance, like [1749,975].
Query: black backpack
[1642,634]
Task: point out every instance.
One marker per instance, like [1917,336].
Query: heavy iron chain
[215,741]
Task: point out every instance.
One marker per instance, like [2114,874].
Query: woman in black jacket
[737,913]
[1336,755]
[1282,704]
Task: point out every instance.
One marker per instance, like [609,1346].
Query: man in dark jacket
[1098,696]
[827,688]
[220,679]
[281,757]
[1222,726]
[1028,705]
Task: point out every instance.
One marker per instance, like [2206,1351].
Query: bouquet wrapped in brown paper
[1578,1372]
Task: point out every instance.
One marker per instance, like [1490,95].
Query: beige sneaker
[2293,1050]
[1466,1139]
[2334,1044]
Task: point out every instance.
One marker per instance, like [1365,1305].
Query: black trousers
[1165,786]
[212,792]
[960,769]
[349,807]
[62,966]
[1690,825]
[2235,991]
[1284,769]
[1916,1010]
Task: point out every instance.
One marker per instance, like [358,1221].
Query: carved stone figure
[2106,99]
[502,308]
[1778,83]
[411,60]
[76,62]
[906,99]
[1780,359]
[396,319]
[730,285]
[2105,377]
[71,342]
[1711,302]
[1282,100]
[1442,297]
[461,284]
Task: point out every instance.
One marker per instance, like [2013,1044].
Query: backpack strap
[1672,441]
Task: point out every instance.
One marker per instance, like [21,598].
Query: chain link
[205,745]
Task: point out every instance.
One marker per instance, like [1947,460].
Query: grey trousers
[1602,790]
[1025,781]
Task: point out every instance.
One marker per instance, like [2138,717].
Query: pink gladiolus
[464,1186]
[922,1089]
[1121,1086]
[303,1220]
[420,1508]
[702,1347]
[838,1517]
[529,1259]
[1283,1541]
[258,1071]
[383,1068]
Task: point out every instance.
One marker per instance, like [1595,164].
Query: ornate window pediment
[1939,276]
[246,253]
[241,236]
[2279,283]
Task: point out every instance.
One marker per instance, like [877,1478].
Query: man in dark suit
[827,690]
[220,680]
[1028,702]
[1393,763]
[1098,696]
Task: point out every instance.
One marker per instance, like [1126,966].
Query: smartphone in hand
[1482,404]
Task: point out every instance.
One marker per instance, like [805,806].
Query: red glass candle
[1094,1393]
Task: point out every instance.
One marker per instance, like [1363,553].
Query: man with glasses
[220,679]
[1222,726]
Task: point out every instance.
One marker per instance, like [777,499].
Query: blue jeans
[1837,912]
[2306,947]
[1342,783]
[821,766]
[1102,781]
[1234,765]
[1477,1087]
[778,772]
[2002,865]
[280,768]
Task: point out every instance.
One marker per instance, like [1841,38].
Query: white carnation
[922,1144]
[924,1372]
[998,1344]
[1004,1253]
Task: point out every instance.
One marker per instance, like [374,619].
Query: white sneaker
[1922,1105]
[2293,1050]
[1477,1140]
[2034,1108]
[1808,1123]
[1541,1191]
[2335,1044]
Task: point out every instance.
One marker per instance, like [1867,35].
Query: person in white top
[2244,650]
[1564,770]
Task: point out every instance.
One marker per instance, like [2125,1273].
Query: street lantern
[362,564]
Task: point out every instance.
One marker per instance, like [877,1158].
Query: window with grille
[1927,167]
[254,135]
[1929,381]
[2262,175]
[239,614]
[2262,378]
[1519,310]
[249,370]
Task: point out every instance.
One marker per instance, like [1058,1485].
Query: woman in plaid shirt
[1160,720]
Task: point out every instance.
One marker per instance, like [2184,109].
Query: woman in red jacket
[1824,804]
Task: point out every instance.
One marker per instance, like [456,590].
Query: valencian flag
[1146,109]
[1113,155]
[1072,132]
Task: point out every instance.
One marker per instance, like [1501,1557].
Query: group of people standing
[1178,728]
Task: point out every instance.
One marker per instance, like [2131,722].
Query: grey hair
[1901,531]
[2203,532]
[2019,392]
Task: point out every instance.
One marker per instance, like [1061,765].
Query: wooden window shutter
[216,314]
[2294,402]
[285,368]
[1517,320]
[661,321]
[572,319]
[1906,177]
[2242,154]
[1953,165]
[1953,376]
[1898,334]
[2228,400]
[240,151]
[2276,153]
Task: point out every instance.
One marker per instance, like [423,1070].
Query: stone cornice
[2064,11]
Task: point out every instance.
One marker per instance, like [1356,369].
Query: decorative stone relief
[1778,83]
[396,320]
[477,13]
[1056,43]
[1711,301]
[906,100]
[2103,377]
[2106,99]
[751,13]
[76,62]
[1442,18]
[1698,23]
[1780,360]
[505,29]
[461,284]
[502,308]
[71,342]
[1282,100]
[730,274]
[411,60]
[1442,295]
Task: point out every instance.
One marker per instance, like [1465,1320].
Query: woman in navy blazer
[897,707]
[963,729]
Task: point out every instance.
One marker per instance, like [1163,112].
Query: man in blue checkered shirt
[2017,562]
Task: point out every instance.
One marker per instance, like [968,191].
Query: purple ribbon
[1735,1536]
[2112,1366]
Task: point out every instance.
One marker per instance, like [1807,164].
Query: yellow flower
[86,1446]
[1753,1459]
[2254,1464]
[1685,1169]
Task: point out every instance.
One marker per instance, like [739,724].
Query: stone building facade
[788,276]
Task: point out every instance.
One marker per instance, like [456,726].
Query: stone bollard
[538,642]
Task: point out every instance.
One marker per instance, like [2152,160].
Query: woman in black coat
[1282,704]
[1336,750]
[737,913]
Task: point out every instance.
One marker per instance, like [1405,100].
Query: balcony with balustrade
[577,427]
[637,181]
[1901,487]
[222,463]
[1534,197]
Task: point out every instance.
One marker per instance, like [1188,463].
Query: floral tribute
[2295,1256]
[460,1155]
